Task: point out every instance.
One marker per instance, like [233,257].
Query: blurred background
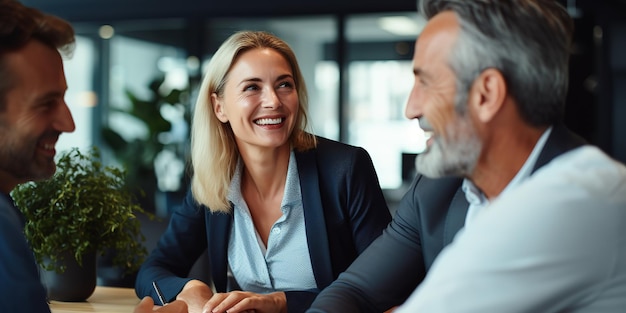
[133,77]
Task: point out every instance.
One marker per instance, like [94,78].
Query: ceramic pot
[76,283]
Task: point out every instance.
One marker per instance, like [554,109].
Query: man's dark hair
[19,25]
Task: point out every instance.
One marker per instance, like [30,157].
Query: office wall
[102,10]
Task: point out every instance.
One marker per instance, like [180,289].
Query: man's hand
[147,306]
[195,294]
[247,302]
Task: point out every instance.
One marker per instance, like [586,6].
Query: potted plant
[83,210]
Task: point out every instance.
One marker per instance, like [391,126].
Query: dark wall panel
[105,10]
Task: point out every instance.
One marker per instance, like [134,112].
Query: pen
[158,292]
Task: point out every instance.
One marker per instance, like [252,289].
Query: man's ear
[218,108]
[487,94]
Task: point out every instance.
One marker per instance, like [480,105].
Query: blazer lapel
[218,227]
[317,236]
[560,141]
[455,220]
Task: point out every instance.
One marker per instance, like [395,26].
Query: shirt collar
[476,197]
[234,190]
[292,184]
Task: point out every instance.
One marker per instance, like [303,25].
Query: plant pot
[76,283]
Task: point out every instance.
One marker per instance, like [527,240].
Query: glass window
[377,97]
[147,125]
[80,95]
[379,53]
[135,64]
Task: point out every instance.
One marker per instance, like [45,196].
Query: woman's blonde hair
[214,152]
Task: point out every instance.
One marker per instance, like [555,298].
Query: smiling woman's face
[260,99]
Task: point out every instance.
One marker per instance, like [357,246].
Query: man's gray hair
[528,41]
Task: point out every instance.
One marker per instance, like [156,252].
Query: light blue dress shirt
[554,243]
[285,263]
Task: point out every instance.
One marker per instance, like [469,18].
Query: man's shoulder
[9,218]
[560,141]
[587,167]
[434,192]
[425,185]
[581,181]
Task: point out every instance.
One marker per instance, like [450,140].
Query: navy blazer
[344,211]
[427,219]
[20,287]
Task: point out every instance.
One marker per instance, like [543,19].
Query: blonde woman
[281,211]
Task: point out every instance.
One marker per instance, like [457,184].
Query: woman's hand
[247,302]
[195,294]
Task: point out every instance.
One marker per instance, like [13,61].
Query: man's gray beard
[455,155]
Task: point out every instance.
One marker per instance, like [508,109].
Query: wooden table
[103,300]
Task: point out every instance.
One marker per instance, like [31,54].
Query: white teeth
[428,134]
[268,121]
[48,146]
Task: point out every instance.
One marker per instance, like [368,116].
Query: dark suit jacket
[427,219]
[20,287]
[344,210]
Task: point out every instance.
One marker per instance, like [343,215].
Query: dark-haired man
[33,114]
